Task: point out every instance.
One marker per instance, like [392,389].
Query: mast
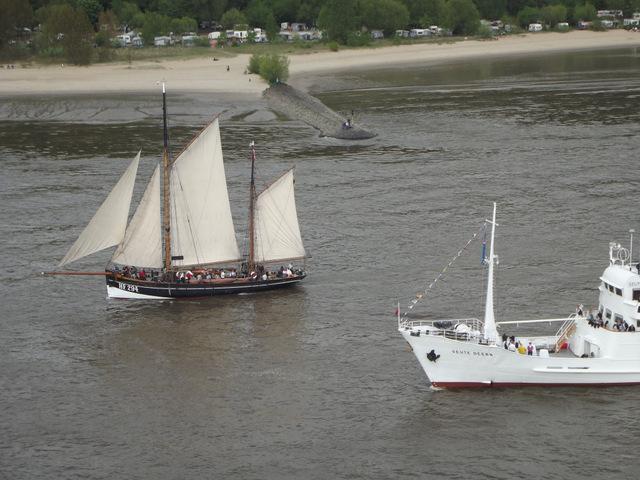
[490,331]
[166,217]
[252,201]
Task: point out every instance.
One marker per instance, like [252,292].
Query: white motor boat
[590,348]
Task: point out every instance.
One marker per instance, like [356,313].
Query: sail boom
[209,264]
[287,259]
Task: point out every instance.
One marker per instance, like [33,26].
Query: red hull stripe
[515,384]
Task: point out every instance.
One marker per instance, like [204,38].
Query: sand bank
[206,75]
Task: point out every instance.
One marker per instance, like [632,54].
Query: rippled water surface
[316,382]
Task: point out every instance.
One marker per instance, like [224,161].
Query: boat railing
[448,328]
[565,330]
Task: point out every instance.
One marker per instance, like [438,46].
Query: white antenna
[631,232]
[163,89]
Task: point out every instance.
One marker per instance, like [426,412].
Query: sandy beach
[205,75]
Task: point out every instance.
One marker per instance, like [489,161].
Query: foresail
[108,225]
[277,230]
[202,228]
[142,244]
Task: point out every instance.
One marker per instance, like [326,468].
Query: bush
[333,46]
[201,42]
[274,68]
[51,52]
[485,31]
[357,39]
[104,54]
[254,64]
[102,39]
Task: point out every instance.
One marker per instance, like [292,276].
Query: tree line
[77,29]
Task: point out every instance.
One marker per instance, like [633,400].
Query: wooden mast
[252,200]
[166,217]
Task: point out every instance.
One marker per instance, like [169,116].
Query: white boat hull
[470,364]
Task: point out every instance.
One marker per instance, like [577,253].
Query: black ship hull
[118,287]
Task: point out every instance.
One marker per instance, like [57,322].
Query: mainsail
[107,227]
[142,244]
[202,230]
[277,234]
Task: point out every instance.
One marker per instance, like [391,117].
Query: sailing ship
[181,240]
[599,347]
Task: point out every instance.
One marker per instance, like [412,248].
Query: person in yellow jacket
[522,350]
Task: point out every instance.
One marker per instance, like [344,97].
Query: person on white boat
[522,350]
[579,310]
[530,349]
[511,347]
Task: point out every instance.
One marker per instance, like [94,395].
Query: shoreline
[203,75]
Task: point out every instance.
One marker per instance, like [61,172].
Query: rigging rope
[420,296]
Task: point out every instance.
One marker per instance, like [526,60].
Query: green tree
[108,22]
[491,9]
[125,11]
[183,25]
[70,28]
[338,18]
[306,13]
[586,12]
[462,17]
[387,15]
[258,13]
[529,15]
[285,10]
[553,14]
[232,18]
[514,6]
[92,8]
[154,25]
[14,14]
[434,13]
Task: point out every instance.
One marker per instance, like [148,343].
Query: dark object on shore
[301,106]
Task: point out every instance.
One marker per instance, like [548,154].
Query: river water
[316,382]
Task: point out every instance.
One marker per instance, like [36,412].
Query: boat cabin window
[619,291]
[636,295]
[617,318]
[607,314]
[611,288]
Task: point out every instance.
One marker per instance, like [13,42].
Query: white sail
[108,225]
[277,234]
[142,244]
[202,228]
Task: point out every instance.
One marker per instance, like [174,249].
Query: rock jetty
[299,105]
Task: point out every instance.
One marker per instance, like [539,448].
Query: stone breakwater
[301,106]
